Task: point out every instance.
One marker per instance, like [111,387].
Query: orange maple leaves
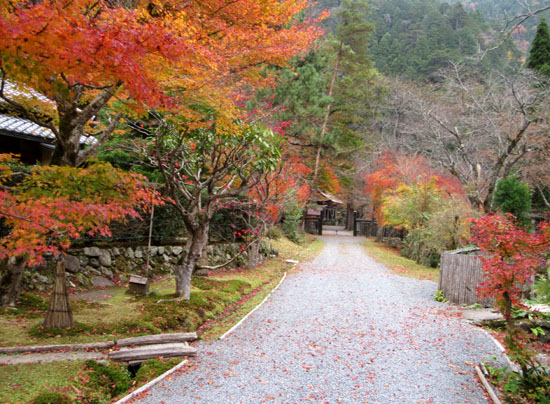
[55,205]
[169,54]
[269,193]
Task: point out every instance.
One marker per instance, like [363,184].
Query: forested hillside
[416,38]
[502,13]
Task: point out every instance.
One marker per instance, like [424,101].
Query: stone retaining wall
[94,266]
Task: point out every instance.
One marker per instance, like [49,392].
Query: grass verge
[398,264]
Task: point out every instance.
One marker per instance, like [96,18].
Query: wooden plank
[158,339]
[47,348]
[50,357]
[153,351]
[487,386]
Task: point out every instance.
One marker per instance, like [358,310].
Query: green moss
[134,327]
[22,383]
[113,378]
[153,368]
[51,397]
[31,301]
[30,306]
[39,331]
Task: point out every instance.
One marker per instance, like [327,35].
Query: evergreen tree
[513,196]
[351,80]
[539,55]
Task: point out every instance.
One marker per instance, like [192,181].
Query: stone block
[91,270]
[41,279]
[92,251]
[107,272]
[138,253]
[101,282]
[130,253]
[177,250]
[105,258]
[72,263]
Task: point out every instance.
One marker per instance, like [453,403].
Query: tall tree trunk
[59,313]
[194,248]
[10,283]
[327,115]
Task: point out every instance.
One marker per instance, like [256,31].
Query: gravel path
[341,330]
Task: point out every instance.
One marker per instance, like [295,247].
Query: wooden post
[354,223]
[59,313]
[148,260]
[320,225]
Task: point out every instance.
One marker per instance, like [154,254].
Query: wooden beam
[158,339]
[46,348]
[153,351]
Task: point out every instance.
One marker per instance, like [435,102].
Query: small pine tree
[513,196]
[539,55]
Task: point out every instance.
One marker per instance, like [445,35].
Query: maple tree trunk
[194,248]
[10,283]
[64,157]
[59,313]
[327,115]
[507,309]
[254,254]
[68,146]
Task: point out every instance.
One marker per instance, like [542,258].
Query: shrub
[51,397]
[445,229]
[274,233]
[292,213]
[439,296]
[542,289]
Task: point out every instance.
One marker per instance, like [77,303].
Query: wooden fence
[369,228]
[364,227]
[460,276]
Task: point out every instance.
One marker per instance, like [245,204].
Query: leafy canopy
[54,205]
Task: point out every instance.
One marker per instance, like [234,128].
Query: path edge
[253,310]
[147,386]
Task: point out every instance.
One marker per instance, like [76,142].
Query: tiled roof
[21,126]
[25,127]
[26,92]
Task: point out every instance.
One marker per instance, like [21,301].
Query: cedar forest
[424,115]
